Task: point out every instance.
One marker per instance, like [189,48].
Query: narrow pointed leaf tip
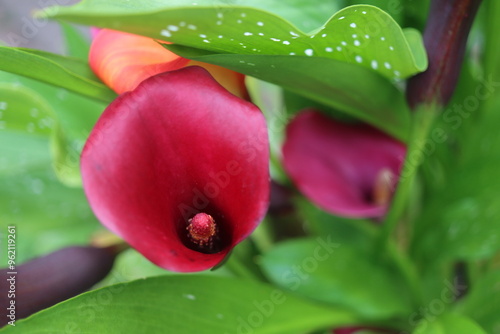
[178,167]
[122,61]
[348,170]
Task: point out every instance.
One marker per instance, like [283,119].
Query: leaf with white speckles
[361,34]
[355,90]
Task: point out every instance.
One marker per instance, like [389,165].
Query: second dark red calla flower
[347,169]
[178,167]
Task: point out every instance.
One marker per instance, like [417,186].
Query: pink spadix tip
[202,229]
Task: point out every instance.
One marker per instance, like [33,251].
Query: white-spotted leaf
[361,34]
[352,89]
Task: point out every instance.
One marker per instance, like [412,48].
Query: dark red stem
[445,39]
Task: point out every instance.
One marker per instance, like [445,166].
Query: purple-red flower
[346,169]
[178,168]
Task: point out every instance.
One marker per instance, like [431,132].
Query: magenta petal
[178,145]
[336,165]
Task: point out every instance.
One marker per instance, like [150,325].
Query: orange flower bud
[122,61]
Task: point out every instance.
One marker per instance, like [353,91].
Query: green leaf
[24,110]
[70,73]
[48,215]
[415,12]
[468,227]
[347,87]
[306,15]
[66,158]
[462,220]
[362,35]
[242,262]
[296,103]
[356,232]
[339,274]
[184,304]
[34,153]
[414,40]
[344,79]
[491,45]
[269,99]
[76,44]
[395,9]
[131,265]
[66,118]
[482,301]
[27,119]
[448,324]
[77,116]
[74,118]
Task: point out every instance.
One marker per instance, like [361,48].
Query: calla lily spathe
[346,169]
[178,167]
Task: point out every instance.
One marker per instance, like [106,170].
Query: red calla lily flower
[346,169]
[178,168]
[122,60]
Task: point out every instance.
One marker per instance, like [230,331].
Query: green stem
[240,262]
[263,236]
[409,272]
[241,270]
[423,118]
